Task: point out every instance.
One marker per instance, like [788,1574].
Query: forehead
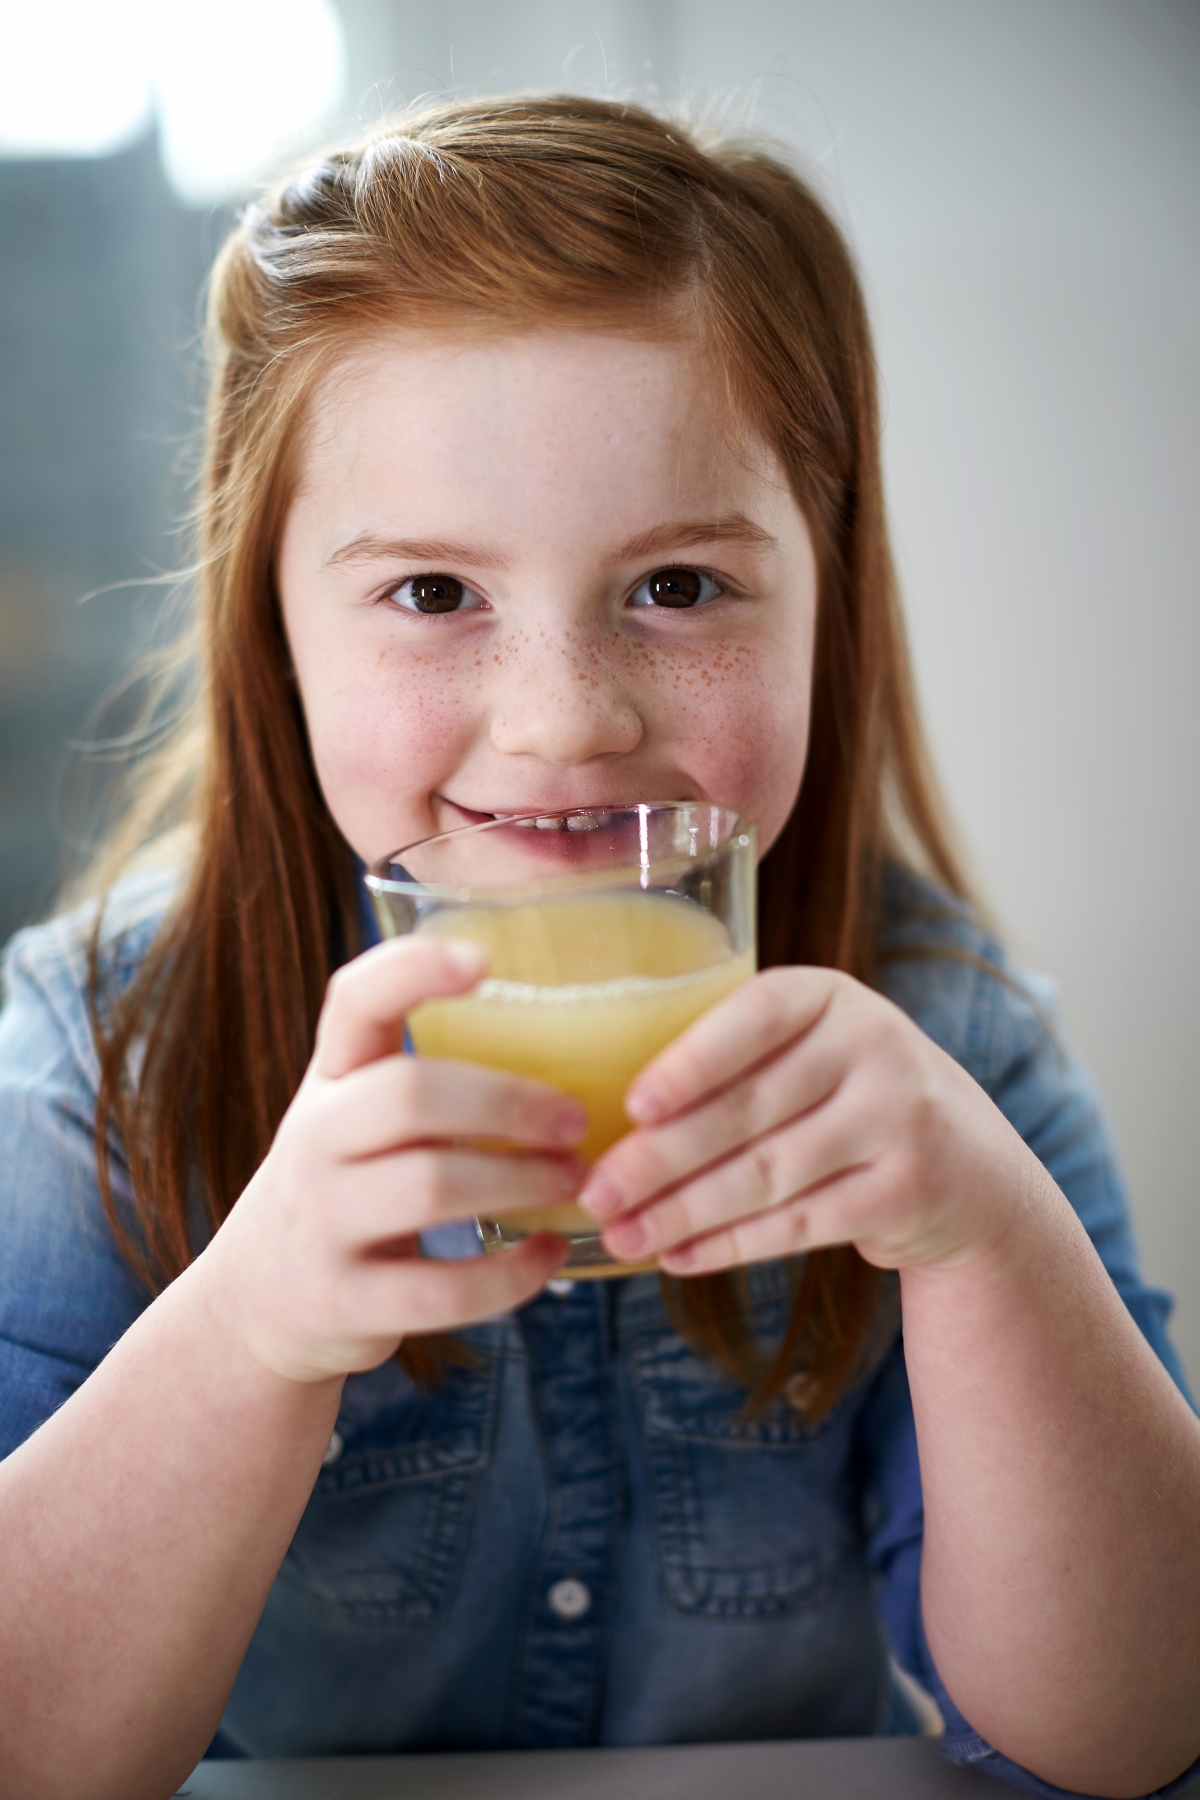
[552,419]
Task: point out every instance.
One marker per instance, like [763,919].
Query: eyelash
[439,577]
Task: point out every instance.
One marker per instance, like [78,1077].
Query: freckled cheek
[381,748]
[739,726]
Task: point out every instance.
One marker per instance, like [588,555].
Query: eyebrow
[368,546]
[684,534]
[678,534]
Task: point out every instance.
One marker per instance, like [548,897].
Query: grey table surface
[846,1769]
[852,1769]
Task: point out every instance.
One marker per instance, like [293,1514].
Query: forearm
[1061,1476]
[140,1531]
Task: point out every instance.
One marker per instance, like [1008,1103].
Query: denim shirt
[580,1539]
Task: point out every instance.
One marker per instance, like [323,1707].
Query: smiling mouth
[563,819]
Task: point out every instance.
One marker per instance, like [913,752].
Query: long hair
[486,215]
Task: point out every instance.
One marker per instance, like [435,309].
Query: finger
[420,1295]
[767,1173]
[804,1076]
[834,1213]
[390,1197]
[734,1035]
[366,1001]
[410,1099]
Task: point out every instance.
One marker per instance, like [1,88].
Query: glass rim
[740,834]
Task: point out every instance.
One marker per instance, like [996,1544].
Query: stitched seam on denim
[687,1586]
[466,1518]
[423,1459]
[520,1663]
[420,1585]
[417,1604]
[779,1430]
[538,1706]
[609,1610]
[964,1749]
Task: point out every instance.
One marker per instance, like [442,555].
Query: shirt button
[560,1289]
[569,1599]
[336,1446]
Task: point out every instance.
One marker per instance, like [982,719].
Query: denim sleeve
[1002,1029]
[66,1294]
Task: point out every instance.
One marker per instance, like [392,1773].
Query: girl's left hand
[806,1110]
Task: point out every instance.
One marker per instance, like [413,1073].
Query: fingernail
[601,1197]
[626,1237]
[645,1104]
[466,958]
[570,1122]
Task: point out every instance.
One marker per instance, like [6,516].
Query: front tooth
[549,824]
[582,822]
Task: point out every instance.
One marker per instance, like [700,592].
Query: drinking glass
[608,931]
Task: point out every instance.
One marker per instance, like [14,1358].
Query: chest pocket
[384,1533]
[753,1517]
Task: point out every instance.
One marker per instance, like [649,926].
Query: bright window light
[235,84]
[74,77]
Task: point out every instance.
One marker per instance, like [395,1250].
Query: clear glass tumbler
[609,930]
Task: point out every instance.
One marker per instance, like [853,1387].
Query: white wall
[1019,180]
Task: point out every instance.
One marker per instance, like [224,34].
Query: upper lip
[522,811]
[544,809]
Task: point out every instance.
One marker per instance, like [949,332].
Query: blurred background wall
[1019,179]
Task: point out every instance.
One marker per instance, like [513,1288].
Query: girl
[542,471]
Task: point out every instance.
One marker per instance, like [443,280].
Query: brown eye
[433,593]
[674,587]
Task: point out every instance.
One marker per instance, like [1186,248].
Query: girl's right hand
[318,1267]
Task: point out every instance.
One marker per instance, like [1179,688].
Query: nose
[563,702]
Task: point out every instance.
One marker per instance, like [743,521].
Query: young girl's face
[481,577]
